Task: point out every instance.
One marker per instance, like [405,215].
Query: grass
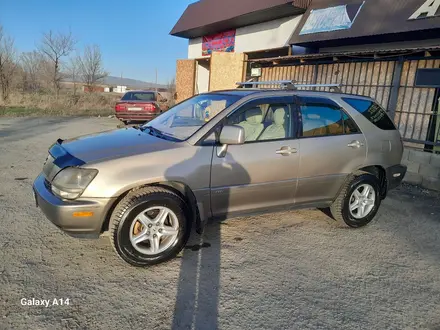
[34,112]
[22,104]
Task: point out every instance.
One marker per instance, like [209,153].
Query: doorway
[203,72]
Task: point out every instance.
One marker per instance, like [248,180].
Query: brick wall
[423,168]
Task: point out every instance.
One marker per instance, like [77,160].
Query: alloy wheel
[362,201]
[154,230]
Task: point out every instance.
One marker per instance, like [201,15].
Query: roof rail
[288,84]
[335,87]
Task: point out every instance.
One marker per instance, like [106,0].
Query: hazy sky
[133,35]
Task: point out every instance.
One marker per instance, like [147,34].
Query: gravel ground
[291,270]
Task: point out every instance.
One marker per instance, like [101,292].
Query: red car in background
[140,106]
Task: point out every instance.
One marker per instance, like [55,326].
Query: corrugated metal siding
[365,78]
[414,106]
[371,52]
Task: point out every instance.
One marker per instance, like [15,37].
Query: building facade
[386,49]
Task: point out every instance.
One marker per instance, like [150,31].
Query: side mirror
[230,135]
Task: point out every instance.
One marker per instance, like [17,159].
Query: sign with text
[429,9]
[220,42]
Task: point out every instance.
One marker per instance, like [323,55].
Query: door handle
[355,144]
[286,151]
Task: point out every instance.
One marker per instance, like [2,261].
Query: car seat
[277,130]
[253,124]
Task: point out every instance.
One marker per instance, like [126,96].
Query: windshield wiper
[158,133]
[154,131]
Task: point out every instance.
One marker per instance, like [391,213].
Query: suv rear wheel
[149,226]
[358,201]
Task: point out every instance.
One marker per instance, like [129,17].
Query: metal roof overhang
[377,21]
[206,17]
[362,54]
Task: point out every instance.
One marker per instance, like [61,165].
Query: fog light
[82,214]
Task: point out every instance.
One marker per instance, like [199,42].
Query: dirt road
[292,270]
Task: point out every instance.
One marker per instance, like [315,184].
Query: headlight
[71,182]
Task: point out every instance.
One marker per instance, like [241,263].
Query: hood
[113,144]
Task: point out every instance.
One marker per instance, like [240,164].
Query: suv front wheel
[358,201]
[149,226]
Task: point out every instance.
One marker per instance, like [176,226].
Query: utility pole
[156,80]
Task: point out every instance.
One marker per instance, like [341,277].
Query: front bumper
[395,175]
[61,212]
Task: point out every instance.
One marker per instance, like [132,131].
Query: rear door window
[323,117]
[373,112]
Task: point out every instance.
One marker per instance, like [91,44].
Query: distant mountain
[130,83]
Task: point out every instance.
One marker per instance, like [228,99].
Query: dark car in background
[140,106]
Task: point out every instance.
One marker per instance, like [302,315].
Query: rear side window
[373,112]
[322,117]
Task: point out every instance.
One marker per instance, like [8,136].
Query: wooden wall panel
[303,74]
[185,79]
[226,70]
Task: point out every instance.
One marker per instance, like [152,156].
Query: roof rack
[288,84]
[284,84]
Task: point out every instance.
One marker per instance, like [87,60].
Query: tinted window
[139,96]
[373,112]
[264,120]
[350,126]
[321,120]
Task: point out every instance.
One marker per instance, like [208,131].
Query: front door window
[265,120]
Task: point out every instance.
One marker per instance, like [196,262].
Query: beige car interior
[277,130]
[253,125]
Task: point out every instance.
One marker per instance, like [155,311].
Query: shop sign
[428,9]
[219,42]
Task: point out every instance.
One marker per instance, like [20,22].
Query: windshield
[138,96]
[186,118]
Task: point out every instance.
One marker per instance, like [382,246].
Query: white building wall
[195,48]
[202,81]
[267,35]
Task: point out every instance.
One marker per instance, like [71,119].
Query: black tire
[125,214]
[340,207]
